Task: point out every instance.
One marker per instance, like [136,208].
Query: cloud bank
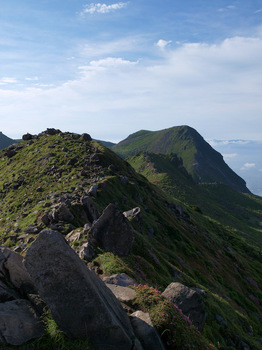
[215,88]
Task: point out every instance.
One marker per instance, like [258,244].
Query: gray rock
[113,232]
[124,294]
[74,236]
[19,322]
[61,213]
[87,252]
[189,301]
[80,303]
[133,213]
[7,294]
[89,208]
[120,279]
[93,190]
[145,332]
[13,271]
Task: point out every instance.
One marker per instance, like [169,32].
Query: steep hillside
[5,141]
[50,175]
[240,211]
[201,161]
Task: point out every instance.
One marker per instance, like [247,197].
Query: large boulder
[12,271]
[80,303]
[112,231]
[89,208]
[19,322]
[189,301]
[145,331]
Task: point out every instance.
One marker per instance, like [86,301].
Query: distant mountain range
[5,141]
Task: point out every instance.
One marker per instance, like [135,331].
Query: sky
[112,68]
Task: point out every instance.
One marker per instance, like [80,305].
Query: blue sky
[111,68]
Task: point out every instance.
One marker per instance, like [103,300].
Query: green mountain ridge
[201,161]
[175,239]
[5,141]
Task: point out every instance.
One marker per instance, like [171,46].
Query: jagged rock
[85,137]
[189,301]
[27,137]
[13,271]
[93,190]
[10,152]
[61,213]
[120,279]
[19,322]
[87,252]
[80,303]
[51,131]
[33,229]
[112,231]
[74,236]
[89,208]
[123,294]
[145,331]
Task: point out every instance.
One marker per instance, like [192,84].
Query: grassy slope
[196,251]
[240,211]
[199,158]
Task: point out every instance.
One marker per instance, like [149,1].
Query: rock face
[80,303]
[12,272]
[113,232]
[19,322]
[189,301]
[120,279]
[145,332]
[123,294]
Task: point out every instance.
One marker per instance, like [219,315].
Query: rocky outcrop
[19,322]
[125,295]
[120,279]
[82,306]
[112,232]
[145,332]
[189,301]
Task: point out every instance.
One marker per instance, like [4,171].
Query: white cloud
[216,89]
[163,43]
[32,78]
[258,11]
[248,166]
[102,8]
[8,80]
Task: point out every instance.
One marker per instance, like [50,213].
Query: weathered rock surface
[145,332]
[87,252]
[89,208]
[79,301]
[19,322]
[113,232]
[189,301]
[13,271]
[120,279]
[123,294]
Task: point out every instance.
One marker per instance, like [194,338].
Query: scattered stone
[87,252]
[112,232]
[93,190]
[89,208]
[123,294]
[33,229]
[120,279]
[61,213]
[27,137]
[189,301]
[85,137]
[19,322]
[80,303]
[74,236]
[145,332]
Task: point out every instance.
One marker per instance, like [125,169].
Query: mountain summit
[200,160]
